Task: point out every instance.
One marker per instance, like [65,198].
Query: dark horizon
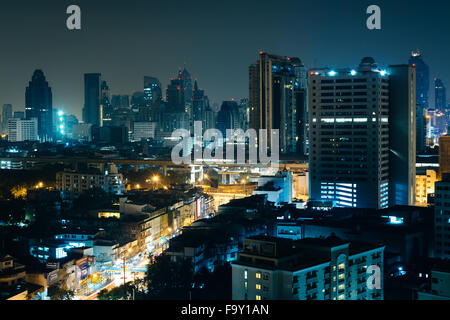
[216,41]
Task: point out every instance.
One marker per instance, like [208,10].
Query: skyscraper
[422,101]
[274,101]
[186,79]
[351,116]
[152,91]
[201,110]
[92,95]
[105,103]
[440,96]
[175,96]
[38,104]
[6,114]
[402,135]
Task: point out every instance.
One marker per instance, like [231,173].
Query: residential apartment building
[308,269]
[73,183]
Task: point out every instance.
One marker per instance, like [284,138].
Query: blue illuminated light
[332,73]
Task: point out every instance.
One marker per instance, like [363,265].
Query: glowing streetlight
[155,178]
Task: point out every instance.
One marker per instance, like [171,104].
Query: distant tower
[440,95]
[275,103]
[422,101]
[38,104]
[6,114]
[91,111]
[152,91]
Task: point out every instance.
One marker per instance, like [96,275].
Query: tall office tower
[175,96]
[105,103]
[402,135]
[274,83]
[442,217]
[23,130]
[115,101]
[349,120]
[200,107]
[440,96]
[38,104]
[92,95]
[152,91]
[244,113]
[186,79]
[422,101]
[6,114]
[228,117]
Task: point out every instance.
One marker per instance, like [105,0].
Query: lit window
[258,287]
[258,275]
[258,297]
[245,274]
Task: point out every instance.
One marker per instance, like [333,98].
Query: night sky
[125,40]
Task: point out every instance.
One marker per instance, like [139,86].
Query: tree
[168,279]
[92,199]
[124,292]
[57,293]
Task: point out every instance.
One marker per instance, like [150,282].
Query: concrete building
[82,132]
[73,183]
[22,130]
[308,269]
[278,188]
[144,130]
[277,99]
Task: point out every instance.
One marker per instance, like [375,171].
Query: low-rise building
[439,286]
[442,217]
[73,183]
[308,269]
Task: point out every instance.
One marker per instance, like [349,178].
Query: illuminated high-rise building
[354,160]
[277,89]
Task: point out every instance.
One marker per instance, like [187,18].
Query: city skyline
[65,56]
